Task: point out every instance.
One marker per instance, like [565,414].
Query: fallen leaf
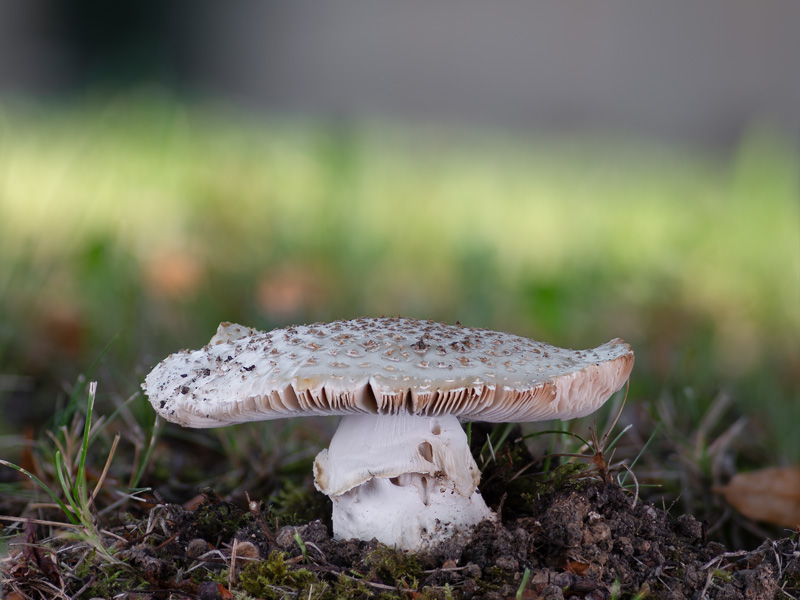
[226,595]
[213,591]
[34,553]
[771,495]
[449,564]
[576,567]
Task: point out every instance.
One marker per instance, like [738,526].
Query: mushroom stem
[408,481]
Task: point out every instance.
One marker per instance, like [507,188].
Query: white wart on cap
[402,385]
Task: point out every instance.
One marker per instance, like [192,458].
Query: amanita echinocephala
[398,468]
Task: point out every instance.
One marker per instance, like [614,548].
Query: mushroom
[399,467]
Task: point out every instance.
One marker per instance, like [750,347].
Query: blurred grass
[142,223]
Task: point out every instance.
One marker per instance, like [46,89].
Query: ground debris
[588,541]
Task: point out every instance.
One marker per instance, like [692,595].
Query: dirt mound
[588,540]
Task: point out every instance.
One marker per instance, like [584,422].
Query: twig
[719,558]
[40,522]
[252,505]
[234,551]
[709,577]
[444,570]
[91,581]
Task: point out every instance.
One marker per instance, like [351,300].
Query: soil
[577,535]
[589,540]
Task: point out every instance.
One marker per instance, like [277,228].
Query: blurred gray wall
[677,69]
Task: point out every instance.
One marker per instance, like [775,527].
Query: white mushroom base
[406,515]
[407,481]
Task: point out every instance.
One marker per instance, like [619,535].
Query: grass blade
[641,452]
[44,487]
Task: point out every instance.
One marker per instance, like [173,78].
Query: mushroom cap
[383,366]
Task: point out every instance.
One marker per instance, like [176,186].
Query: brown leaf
[35,554]
[213,591]
[449,564]
[226,595]
[771,495]
[574,566]
[48,567]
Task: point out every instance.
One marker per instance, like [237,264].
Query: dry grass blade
[40,522]
[105,470]
[635,482]
[618,415]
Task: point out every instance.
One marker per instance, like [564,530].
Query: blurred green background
[130,226]
[567,171]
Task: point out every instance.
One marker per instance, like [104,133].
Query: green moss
[219,519]
[109,580]
[437,593]
[565,476]
[493,578]
[274,578]
[295,504]
[722,575]
[499,476]
[394,567]
[348,588]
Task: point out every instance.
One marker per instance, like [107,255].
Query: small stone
[596,532]
[507,563]
[209,590]
[285,537]
[552,592]
[507,591]
[247,552]
[197,547]
[688,526]
[641,546]
[473,571]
